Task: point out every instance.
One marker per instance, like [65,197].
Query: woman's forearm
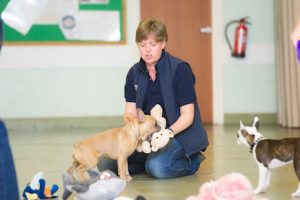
[185,120]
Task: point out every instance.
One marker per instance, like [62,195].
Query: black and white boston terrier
[269,154]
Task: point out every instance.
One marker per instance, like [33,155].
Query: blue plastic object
[298,50]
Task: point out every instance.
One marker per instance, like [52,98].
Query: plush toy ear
[155,110]
[139,146]
[168,132]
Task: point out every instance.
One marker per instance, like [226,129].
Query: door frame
[217,61]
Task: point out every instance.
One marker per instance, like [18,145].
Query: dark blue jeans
[8,180]
[168,162]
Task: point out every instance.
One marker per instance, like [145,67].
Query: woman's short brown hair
[151,25]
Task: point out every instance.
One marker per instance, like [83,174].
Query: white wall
[63,81]
[249,85]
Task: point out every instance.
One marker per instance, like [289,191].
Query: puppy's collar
[254,144]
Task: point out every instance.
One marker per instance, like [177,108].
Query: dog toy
[33,196]
[233,186]
[37,189]
[161,138]
[144,146]
[104,186]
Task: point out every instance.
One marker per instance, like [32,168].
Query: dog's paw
[295,194]
[258,190]
[128,178]
[264,189]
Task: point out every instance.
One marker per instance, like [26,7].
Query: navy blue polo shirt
[184,81]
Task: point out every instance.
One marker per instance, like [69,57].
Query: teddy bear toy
[232,186]
[159,139]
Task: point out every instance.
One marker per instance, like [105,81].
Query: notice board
[91,22]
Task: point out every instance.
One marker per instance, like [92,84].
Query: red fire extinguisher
[240,40]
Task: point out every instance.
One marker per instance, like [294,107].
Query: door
[189,39]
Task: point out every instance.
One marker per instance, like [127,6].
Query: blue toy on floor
[37,189]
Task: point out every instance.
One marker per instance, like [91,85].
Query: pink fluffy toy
[233,186]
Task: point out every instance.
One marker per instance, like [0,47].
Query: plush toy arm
[54,189]
[154,148]
[143,146]
[41,190]
[139,147]
[146,147]
[171,133]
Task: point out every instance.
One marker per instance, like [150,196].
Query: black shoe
[196,159]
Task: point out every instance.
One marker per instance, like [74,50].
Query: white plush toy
[144,146]
[161,138]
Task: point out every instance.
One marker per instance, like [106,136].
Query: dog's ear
[255,122]
[141,115]
[241,125]
[128,118]
[244,132]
